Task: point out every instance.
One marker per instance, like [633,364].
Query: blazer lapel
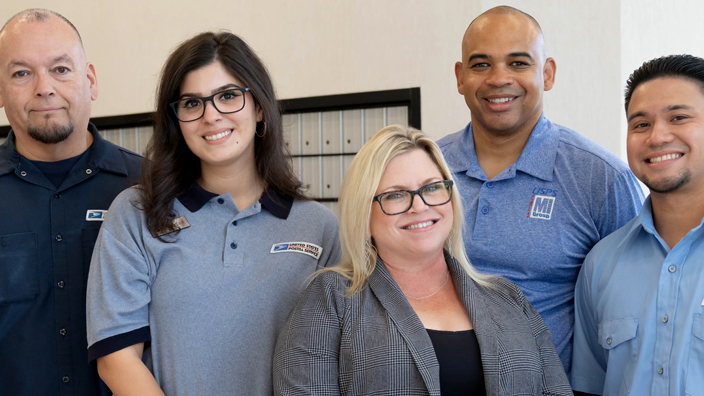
[484,326]
[408,324]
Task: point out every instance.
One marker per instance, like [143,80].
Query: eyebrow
[62,58]
[397,187]
[665,109]
[212,92]
[510,55]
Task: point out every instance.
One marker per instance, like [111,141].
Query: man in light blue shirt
[639,298]
[538,196]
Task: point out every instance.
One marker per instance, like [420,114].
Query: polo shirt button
[61,284]
[233,245]
[221,201]
[660,370]
[59,238]
[490,184]
[88,171]
[672,268]
[485,210]
[664,319]
[65,380]
[62,332]
[608,341]
[23,173]
[57,195]
[234,223]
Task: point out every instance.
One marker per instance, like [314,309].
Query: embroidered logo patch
[541,207]
[96,215]
[298,247]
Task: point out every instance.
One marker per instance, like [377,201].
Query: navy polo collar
[277,204]
[102,155]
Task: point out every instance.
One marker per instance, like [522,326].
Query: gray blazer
[374,343]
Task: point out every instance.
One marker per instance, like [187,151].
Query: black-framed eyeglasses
[400,201]
[228,101]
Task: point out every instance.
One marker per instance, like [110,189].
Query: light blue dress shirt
[535,222]
[640,314]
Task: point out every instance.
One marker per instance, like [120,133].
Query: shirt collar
[537,158]
[277,204]
[102,155]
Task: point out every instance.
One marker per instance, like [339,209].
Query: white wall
[322,47]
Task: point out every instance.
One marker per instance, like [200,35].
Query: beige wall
[322,47]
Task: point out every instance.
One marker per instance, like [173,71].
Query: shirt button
[62,332]
[664,319]
[59,238]
[672,268]
[233,245]
[88,171]
[608,341]
[234,223]
[660,370]
[485,210]
[65,380]
[221,201]
[490,184]
[23,173]
[57,195]
[61,284]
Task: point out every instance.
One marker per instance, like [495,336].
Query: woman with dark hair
[205,257]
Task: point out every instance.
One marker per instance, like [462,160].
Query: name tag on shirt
[298,247]
[178,224]
[96,215]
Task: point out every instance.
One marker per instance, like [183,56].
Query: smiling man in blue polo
[538,195]
[640,296]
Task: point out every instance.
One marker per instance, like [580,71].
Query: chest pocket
[695,380]
[615,332]
[88,238]
[19,280]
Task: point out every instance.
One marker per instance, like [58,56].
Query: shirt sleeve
[623,201]
[588,361]
[119,282]
[306,358]
[331,242]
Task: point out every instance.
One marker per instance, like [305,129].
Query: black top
[47,235]
[461,370]
[57,171]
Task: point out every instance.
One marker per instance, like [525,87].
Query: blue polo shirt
[46,241]
[640,314]
[534,223]
[213,299]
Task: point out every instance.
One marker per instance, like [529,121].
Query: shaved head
[39,15]
[506,10]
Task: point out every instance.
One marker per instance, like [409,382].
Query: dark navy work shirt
[46,241]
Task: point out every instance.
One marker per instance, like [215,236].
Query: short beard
[671,184]
[50,133]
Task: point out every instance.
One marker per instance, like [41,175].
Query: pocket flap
[698,326]
[615,332]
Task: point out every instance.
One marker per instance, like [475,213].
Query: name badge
[96,215]
[298,247]
[179,224]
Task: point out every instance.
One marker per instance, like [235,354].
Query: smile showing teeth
[665,157]
[500,100]
[419,225]
[218,136]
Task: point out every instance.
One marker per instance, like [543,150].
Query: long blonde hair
[361,181]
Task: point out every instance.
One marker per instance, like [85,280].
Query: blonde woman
[404,312]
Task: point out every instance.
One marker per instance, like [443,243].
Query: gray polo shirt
[213,301]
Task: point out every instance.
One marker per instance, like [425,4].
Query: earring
[263,132]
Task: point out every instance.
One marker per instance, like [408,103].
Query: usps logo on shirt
[542,202]
[96,215]
[298,247]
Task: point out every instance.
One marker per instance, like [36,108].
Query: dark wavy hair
[688,67]
[172,167]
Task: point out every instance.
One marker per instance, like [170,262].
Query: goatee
[50,133]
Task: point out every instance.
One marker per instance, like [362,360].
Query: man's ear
[93,78]
[549,74]
[459,75]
